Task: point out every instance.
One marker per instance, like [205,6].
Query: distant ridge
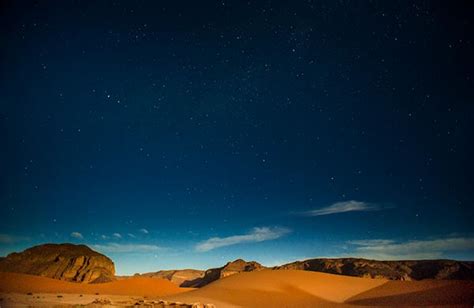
[178,277]
[393,270]
[356,267]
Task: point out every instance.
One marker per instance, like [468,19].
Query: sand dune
[267,288]
[288,288]
[416,293]
[292,288]
[140,286]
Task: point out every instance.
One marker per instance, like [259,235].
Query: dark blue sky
[202,132]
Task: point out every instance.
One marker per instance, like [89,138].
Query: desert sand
[286,288]
[293,288]
[21,290]
[419,293]
[267,288]
[140,286]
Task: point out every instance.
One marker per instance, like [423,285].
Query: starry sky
[187,134]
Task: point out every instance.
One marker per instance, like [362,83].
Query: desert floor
[267,288]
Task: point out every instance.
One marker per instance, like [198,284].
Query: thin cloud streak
[256,235]
[416,249]
[376,242]
[127,248]
[343,207]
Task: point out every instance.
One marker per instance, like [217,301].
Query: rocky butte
[69,262]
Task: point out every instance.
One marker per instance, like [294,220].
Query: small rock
[102,301]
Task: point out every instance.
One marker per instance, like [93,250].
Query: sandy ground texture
[20,290]
[294,288]
[267,288]
[70,300]
[142,286]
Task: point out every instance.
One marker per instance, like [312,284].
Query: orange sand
[294,288]
[267,288]
[140,286]
[283,288]
[416,293]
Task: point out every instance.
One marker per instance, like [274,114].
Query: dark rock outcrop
[177,277]
[76,263]
[393,270]
[229,269]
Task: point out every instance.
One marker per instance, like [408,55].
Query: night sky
[187,134]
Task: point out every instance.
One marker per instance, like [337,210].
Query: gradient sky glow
[185,135]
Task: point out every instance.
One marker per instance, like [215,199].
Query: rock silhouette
[178,277]
[393,270]
[229,269]
[69,262]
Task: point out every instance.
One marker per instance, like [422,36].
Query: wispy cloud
[255,235]
[367,243]
[117,235]
[8,238]
[343,207]
[77,235]
[144,231]
[127,248]
[415,249]
[131,235]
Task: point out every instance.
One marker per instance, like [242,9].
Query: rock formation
[75,263]
[177,277]
[393,270]
[79,263]
[229,269]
